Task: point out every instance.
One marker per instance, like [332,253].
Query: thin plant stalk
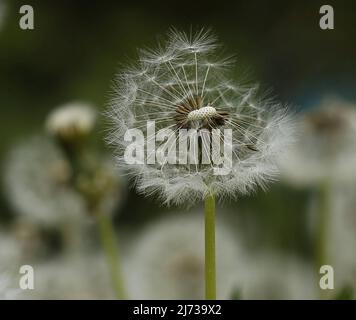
[321,228]
[112,254]
[210,264]
[72,234]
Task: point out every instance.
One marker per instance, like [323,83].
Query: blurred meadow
[270,244]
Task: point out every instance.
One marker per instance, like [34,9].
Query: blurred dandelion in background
[71,121]
[38,183]
[324,158]
[37,179]
[82,277]
[60,180]
[326,145]
[166,261]
[276,276]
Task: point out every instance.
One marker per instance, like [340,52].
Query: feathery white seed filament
[202,113]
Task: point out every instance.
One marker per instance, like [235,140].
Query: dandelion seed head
[185,84]
[36,176]
[326,146]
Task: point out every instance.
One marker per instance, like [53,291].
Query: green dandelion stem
[112,254]
[321,233]
[322,226]
[210,267]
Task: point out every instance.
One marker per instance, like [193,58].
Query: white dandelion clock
[185,85]
[176,113]
[167,261]
[326,148]
[37,181]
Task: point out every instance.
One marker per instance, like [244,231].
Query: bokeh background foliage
[78,46]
